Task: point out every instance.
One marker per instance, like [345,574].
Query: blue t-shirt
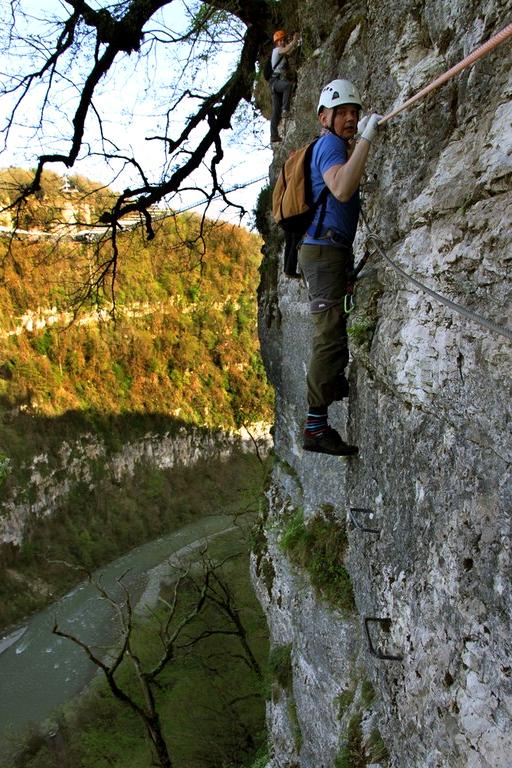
[339,217]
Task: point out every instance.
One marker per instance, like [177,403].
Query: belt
[335,237]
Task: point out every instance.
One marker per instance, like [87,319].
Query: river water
[39,671]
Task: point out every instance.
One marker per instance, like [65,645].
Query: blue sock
[316,424]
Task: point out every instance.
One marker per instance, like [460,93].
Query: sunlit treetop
[82,81]
[149,88]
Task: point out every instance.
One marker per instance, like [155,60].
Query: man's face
[345,120]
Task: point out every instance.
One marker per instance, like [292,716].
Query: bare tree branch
[119,36]
[210,588]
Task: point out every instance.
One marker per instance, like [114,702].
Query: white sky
[133,104]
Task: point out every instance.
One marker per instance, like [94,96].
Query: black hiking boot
[329,442]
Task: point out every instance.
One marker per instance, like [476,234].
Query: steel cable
[464,311]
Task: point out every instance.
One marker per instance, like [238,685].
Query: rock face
[48,483]
[429,407]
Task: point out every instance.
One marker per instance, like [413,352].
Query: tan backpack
[293,207]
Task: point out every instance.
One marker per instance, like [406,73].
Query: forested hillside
[183,337]
[114,417]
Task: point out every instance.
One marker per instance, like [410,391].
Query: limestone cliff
[49,479]
[429,407]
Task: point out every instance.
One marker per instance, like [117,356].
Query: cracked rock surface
[430,405]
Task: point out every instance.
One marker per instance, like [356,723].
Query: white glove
[367,127]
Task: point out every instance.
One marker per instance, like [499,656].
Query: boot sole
[315,449]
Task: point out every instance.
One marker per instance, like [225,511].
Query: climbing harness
[478,53]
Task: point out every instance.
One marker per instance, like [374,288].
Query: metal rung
[356,522]
[385,623]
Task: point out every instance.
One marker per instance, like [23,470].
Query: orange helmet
[279,35]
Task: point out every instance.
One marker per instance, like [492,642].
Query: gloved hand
[367,127]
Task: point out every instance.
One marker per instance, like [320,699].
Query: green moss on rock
[319,547]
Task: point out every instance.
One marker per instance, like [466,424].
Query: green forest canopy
[184,339]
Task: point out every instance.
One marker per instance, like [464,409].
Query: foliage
[262,758]
[363,321]
[5,464]
[360,331]
[184,339]
[261,212]
[209,701]
[319,547]
[294,533]
[280,671]
[94,525]
[184,343]
[344,700]
[357,753]
[359,750]
[367,694]
[280,665]
[295,724]
[378,752]
[352,754]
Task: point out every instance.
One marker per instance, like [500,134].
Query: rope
[478,53]
[464,311]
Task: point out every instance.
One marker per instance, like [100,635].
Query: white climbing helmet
[339,92]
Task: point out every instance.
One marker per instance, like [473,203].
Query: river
[39,671]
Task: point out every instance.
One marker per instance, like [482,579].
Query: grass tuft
[319,547]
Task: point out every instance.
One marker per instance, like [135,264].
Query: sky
[133,104]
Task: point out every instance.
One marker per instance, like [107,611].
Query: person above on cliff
[281,85]
[326,258]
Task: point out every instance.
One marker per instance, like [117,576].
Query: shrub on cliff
[319,546]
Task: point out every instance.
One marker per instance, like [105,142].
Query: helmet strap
[330,127]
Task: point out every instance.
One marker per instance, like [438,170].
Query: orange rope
[494,41]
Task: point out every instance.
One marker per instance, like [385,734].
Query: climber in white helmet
[326,258]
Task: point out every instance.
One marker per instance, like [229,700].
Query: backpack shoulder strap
[322,197]
[276,64]
[322,200]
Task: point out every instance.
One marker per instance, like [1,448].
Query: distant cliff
[417,674]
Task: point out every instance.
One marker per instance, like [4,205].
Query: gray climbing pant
[325,269]
[281,90]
